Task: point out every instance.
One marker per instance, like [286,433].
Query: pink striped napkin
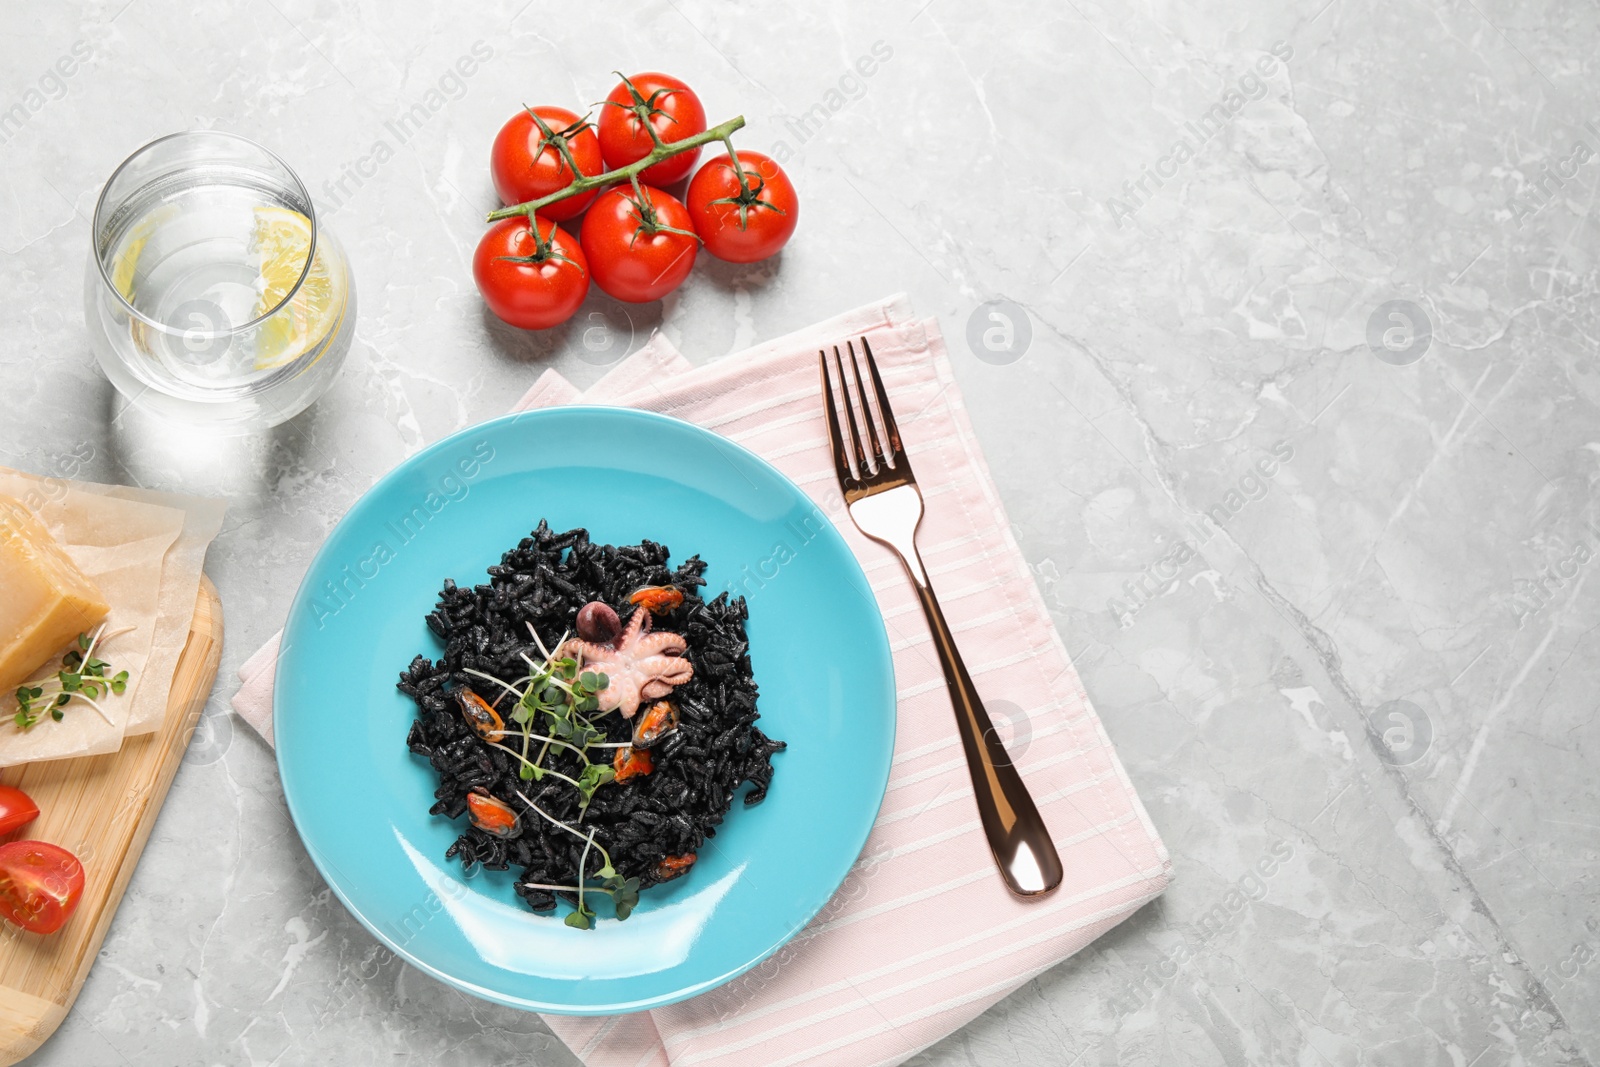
[923,936]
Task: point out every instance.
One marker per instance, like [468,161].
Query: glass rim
[105,277]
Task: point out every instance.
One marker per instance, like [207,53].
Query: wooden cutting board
[102,808]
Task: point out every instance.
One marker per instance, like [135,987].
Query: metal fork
[886,505]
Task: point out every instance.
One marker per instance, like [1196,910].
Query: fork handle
[1017,835]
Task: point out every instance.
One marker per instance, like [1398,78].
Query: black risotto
[642,821]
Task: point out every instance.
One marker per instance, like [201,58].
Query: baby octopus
[638,665]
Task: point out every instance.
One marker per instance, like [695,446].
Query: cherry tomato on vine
[17,809]
[534,283]
[529,162]
[640,246]
[40,885]
[743,226]
[673,111]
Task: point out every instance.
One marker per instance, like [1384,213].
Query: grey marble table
[1278,326]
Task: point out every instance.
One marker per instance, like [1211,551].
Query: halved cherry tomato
[17,809]
[525,293]
[40,885]
[743,227]
[526,164]
[673,111]
[630,251]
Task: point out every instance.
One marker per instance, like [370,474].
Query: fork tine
[866,411]
[897,451]
[850,415]
[830,407]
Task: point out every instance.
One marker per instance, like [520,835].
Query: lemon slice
[281,239]
[127,263]
[126,266]
[132,247]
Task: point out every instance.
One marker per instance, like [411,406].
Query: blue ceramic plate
[360,800]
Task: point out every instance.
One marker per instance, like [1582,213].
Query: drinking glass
[213,295]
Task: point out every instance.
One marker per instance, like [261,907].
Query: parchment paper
[121,545]
[180,584]
[180,579]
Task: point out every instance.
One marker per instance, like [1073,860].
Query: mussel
[492,815]
[632,763]
[484,720]
[658,720]
[671,867]
[657,599]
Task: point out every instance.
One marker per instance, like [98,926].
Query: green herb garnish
[624,892]
[560,698]
[82,677]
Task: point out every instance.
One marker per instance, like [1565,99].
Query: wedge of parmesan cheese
[45,600]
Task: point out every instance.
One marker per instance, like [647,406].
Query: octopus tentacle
[639,665]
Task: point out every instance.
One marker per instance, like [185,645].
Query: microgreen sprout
[558,697]
[82,677]
[624,892]
[582,916]
[555,705]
